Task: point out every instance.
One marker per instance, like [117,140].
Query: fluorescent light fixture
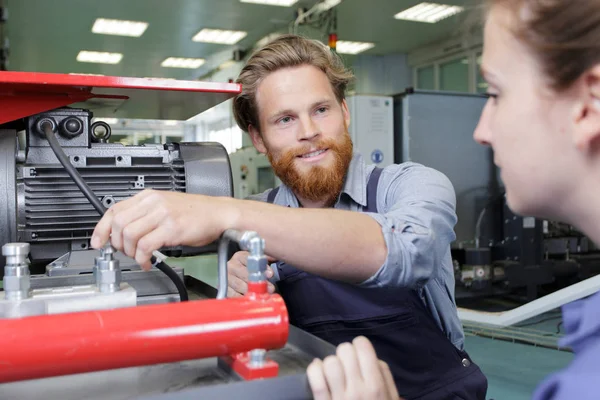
[219,36]
[109,121]
[227,64]
[177,62]
[327,4]
[77,73]
[344,47]
[171,123]
[99,57]
[119,27]
[428,12]
[282,3]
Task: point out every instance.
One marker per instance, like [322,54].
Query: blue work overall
[423,361]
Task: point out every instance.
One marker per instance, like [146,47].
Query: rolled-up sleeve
[417,216]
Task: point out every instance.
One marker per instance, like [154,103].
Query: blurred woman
[541,60]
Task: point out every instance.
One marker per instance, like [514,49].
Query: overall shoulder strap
[272,194]
[372,190]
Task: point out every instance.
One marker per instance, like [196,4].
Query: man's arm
[336,244]
[417,222]
[342,245]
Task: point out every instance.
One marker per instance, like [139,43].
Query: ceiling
[46,36]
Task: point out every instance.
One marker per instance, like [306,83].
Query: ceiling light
[99,57]
[171,123]
[109,121]
[177,62]
[282,3]
[227,64]
[78,73]
[119,27]
[219,36]
[327,4]
[428,12]
[344,47]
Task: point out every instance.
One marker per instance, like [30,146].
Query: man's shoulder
[260,196]
[411,170]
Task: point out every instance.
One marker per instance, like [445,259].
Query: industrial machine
[252,172]
[496,253]
[96,310]
[372,127]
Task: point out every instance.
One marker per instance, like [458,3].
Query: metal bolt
[16,271]
[107,271]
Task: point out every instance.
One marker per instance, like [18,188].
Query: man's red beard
[319,183]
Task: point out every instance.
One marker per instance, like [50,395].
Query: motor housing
[42,205]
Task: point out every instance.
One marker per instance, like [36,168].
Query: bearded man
[360,250]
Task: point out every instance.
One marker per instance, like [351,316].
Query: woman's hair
[285,52]
[564,35]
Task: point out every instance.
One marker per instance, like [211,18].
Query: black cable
[47,127]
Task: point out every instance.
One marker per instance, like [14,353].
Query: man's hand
[153,219]
[354,373]
[237,275]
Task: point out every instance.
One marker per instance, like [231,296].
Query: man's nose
[308,129]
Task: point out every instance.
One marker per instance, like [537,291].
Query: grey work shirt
[416,210]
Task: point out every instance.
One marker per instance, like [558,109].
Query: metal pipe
[257,261]
[222,259]
[62,344]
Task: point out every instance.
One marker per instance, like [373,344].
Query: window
[426,78]
[230,138]
[454,75]
[481,85]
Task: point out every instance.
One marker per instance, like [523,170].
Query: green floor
[514,370]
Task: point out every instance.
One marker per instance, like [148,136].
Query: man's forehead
[292,87]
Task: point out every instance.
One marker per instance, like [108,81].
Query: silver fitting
[17,283]
[107,271]
[257,261]
[258,357]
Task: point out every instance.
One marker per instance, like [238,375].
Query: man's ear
[346,113]
[257,139]
[586,134]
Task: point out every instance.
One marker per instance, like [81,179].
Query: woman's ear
[587,113]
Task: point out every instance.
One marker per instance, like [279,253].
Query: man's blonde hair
[285,52]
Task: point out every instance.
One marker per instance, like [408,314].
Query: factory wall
[383,75]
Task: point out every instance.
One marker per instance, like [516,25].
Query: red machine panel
[27,93]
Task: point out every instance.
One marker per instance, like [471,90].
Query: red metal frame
[62,344]
[46,346]
[23,94]
[240,362]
